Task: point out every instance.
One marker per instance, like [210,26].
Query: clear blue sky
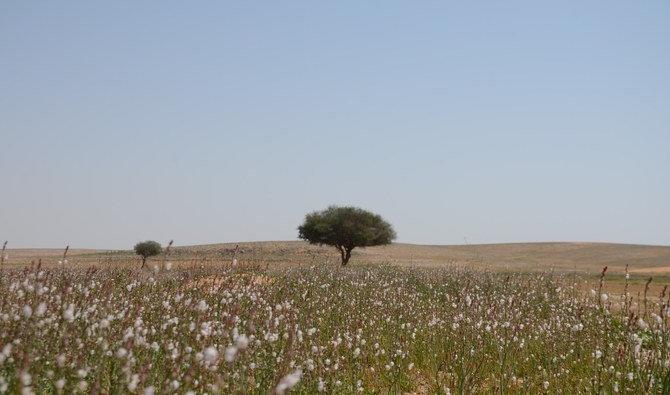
[206,122]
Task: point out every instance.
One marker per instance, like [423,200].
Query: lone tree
[346,228]
[148,248]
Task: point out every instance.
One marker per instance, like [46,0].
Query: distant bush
[148,248]
[346,228]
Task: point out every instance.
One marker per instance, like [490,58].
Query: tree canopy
[346,228]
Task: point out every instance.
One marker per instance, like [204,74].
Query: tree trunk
[345,253]
[144,260]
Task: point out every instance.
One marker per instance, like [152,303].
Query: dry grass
[585,259]
[566,257]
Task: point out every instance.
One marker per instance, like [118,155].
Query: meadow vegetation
[205,328]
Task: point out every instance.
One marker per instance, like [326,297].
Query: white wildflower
[642,324]
[211,355]
[230,353]
[288,381]
[134,380]
[202,306]
[60,384]
[41,309]
[25,378]
[68,314]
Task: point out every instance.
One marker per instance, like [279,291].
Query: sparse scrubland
[206,328]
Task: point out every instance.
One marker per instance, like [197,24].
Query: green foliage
[148,248]
[346,228]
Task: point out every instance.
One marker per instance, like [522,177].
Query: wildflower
[121,352]
[41,309]
[242,342]
[230,353]
[288,381]
[134,380]
[25,378]
[6,352]
[211,355]
[68,314]
[27,311]
[657,318]
[642,324]
[149,390]
[60,384]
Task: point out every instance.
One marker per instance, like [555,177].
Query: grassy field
[585,259]
[509,318]
[582,257]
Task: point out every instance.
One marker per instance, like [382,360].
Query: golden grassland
[583,257]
